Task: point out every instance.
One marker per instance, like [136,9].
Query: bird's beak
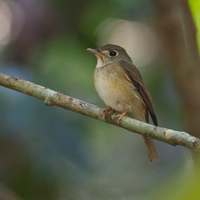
[94,51]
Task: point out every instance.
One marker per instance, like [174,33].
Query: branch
[51,98]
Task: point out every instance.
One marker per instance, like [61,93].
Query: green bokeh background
[51,153]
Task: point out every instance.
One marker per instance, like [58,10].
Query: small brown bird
[121,87]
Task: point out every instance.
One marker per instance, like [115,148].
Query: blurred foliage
[50,153]
[195,8]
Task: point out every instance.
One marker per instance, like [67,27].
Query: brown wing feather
[134,75]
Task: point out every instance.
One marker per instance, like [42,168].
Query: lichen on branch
[51,98]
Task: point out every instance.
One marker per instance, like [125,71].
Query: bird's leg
[121,116]
[105,111]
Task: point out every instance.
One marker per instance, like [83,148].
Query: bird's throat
[100,62]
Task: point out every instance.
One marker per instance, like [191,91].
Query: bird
[120,85]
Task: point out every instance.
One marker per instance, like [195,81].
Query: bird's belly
[112,96]
[118,94]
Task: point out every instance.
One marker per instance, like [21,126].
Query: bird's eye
[113,53]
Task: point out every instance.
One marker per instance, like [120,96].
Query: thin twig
[51,98]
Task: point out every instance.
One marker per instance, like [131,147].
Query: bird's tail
[150,148]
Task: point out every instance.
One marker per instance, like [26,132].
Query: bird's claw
[121,116]
[105,111]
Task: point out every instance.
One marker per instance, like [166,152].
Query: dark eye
[113,53]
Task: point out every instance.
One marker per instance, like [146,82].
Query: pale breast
[117,92]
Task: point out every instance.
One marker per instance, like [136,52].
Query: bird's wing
[133,75]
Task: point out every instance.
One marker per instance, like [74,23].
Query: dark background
[49,153]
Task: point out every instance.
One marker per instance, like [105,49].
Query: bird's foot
[121,116]
[105,111]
